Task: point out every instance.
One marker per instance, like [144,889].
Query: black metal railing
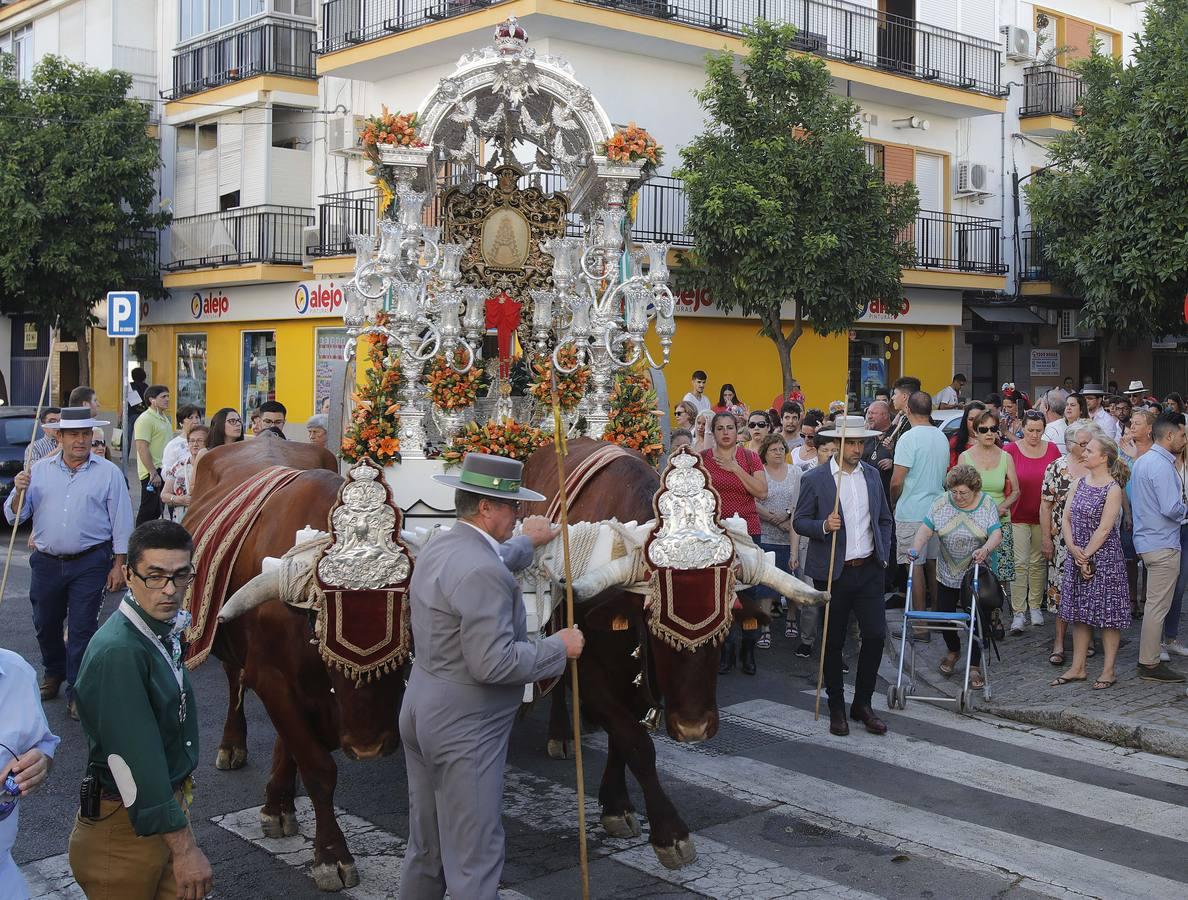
[957,243]
[662,212]
[265,48]
[340,216]
[1035,267]
[832,28]
[1051,91]
[250,234]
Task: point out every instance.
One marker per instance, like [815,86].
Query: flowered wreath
[571,387]
[635,420]
[375,421]
[631,144]
[449,388]
[511,439]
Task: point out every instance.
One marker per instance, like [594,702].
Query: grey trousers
[455,749]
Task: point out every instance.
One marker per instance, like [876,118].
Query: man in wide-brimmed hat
[1093,394]
[82,517]
[473,658]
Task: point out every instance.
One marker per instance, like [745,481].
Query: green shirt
[130,707]
[157,431]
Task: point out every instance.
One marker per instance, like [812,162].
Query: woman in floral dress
[1058,479]
[1094,592]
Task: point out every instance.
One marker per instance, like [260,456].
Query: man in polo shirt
[82,517]
[153,433]
[47,444]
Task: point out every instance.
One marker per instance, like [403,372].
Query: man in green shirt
[153,432]
[137,710]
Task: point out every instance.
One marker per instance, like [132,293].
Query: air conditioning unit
[310,237]
[972,179]
[1069,327]
[1020,44]
[343,134]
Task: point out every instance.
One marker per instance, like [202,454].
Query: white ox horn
[616,573]
[755,569]
[261,589]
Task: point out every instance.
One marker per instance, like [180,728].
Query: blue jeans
[1171,625]
[768,597]
[67,592]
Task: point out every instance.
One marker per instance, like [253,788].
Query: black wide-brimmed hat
[491,476]
[75,417]
[1093,390]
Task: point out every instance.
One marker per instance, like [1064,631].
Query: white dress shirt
[1054,432]
[490,540]
[855,510]
[1108,424]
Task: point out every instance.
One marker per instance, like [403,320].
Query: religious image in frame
[505,239]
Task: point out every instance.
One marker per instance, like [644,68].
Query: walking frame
[967,622]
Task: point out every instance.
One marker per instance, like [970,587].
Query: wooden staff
[559,446]
[20,500]
[829,579]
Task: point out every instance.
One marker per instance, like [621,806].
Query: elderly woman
[967,521]
[775,517]
[315,429]
[738,476]
[1032,455]
[684,414]
[1093,592]
[680,437]
[179,478]
[1058,479]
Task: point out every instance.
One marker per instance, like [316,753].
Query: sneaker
[1017,624]
[1175,646]
[1163,654]
[804,651]
[1160,673]
[1037,617]
[765,639]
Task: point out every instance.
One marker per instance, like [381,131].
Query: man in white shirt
[949,397]
[697,396]
[1099,414]
[1054,414]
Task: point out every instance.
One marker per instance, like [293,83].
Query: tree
[1113,208]
[77,188]
[783,205]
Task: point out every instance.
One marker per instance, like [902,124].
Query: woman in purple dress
[1094,591]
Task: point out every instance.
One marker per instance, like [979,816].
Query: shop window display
[258,379]
[191,370]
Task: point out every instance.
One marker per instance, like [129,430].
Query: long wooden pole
[559,446]
[20,500]
[829,579]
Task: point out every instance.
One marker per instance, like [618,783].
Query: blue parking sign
[123,314]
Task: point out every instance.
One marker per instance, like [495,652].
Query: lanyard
[174,666]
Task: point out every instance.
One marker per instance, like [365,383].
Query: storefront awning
[1018,315]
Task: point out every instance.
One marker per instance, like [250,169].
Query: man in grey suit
[863,525]
[473,658]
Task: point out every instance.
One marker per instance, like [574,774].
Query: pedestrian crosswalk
[977,806]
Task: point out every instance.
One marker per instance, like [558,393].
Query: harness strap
[581,475]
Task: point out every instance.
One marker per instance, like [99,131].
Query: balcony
[833,29]
[239,237]
[1035,267]
[264,48]
[1051,100]
[950,242]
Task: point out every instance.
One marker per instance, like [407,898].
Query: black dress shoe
[866,716]
[747,658]
[837,722]
[727,665]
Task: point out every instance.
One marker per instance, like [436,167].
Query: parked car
[947,420]
[17,429]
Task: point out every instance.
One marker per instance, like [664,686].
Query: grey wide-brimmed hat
[491,476]
[855,429]
[75,417]
[1093,390]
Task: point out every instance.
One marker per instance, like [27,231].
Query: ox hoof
[558,749]
[624,826]
[679,854]
[284,825]
[232,758]
[333,876]
[349,874]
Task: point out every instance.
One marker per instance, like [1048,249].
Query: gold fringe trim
[724,593]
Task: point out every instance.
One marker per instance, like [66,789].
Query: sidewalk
[1132,713]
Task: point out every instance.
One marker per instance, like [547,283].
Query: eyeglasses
[235,421]
[987,429]
[157,582]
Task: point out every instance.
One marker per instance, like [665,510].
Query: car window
[17,430]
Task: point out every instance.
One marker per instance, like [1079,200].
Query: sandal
[976,681]
[1057,658]
[1091,652]
[1101,684]
[1064,679]
[947,667]
[764,642]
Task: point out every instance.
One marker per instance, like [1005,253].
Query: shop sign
[920,306]
[31,336]
[249,303]
[214,305]
[1045,362]
[313,299]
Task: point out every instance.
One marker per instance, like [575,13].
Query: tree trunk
[784,343]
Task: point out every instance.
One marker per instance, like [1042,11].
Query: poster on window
[330,346]
[874,376]
[191,370]
[259,369]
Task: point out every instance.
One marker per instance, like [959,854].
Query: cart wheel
[901,698]
[963,701]
[892,697]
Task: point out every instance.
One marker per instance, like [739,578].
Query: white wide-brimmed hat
[75,417]
[1136,387]
[855,429]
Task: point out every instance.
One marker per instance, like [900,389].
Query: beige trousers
[110,861]
[1031,569]
[1163,568]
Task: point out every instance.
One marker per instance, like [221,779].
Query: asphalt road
[944,806]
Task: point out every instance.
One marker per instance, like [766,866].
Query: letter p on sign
[123,314]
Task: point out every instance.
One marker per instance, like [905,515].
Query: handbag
[991,594]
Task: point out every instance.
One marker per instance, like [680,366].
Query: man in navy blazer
[864,528]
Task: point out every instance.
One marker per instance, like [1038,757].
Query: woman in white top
[179,478]
[775,517]
[804,457]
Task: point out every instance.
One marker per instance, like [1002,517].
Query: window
[330,344]
[874,360]
[20,44]
[191,370]
[258,383]
[228,201]
[874,156]
[294,7]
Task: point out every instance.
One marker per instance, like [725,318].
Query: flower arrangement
[634,419]
[450,389]
[390,128]
[631,144]
[511,439]
[570,387]
[375,422]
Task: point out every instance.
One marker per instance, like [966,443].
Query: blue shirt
[924,452]
[75,509]
[1155,501]
[22,727]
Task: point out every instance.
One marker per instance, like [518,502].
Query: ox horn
[262,588]
[757,570]
[616,573]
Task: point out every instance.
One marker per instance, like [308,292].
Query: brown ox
[607,670]
[268,650]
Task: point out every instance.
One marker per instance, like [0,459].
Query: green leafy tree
[783,205]
[77,186]
[1113,208]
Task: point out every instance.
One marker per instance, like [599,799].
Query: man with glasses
[82,517]
[138,713]
[273,415]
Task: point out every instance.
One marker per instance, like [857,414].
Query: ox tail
[260,589]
